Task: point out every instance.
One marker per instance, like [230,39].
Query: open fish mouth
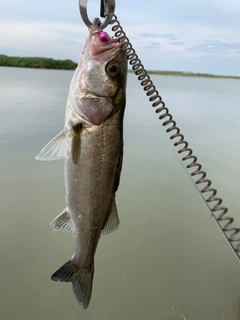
[101,41]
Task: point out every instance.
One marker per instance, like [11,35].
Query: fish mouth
[101,41]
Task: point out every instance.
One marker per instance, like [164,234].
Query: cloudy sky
[187,35]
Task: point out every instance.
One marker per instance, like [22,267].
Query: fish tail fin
[81,279]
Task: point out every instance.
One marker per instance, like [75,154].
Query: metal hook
[106,7]
[102,8]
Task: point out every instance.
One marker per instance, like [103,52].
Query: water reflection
[167,252]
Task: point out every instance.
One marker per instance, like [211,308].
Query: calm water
[168,252]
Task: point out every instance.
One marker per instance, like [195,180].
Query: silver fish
[92,145]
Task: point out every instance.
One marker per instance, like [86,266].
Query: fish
[91,145]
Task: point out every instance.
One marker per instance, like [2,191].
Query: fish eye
[113,69]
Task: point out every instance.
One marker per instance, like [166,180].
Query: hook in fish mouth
[103,36]
[96,24]
[96,28]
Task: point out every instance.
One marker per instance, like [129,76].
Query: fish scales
[92,145]
[89,200]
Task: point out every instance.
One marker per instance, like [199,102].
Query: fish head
[103,73]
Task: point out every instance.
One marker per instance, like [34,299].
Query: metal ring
[109,7]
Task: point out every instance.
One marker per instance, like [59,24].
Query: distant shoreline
[189,74]
[49,63]
[36,62]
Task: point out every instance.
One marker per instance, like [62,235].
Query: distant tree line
[35,62]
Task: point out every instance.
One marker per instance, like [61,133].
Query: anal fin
[113,220]
[63,221]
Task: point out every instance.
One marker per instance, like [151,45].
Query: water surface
[168,253]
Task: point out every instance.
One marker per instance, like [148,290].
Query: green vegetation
[35,62]
[188,74]
[48,63]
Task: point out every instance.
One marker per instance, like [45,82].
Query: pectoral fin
[63,221]
[54,150]
[76,143]
[113,221]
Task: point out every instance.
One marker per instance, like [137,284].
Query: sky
[189,35]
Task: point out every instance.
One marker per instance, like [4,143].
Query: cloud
[57,40]
[163,33]
[168,36]
[178,43]
[153,45]
[218,47]
[28,10]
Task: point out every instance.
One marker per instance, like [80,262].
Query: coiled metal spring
[156,100]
